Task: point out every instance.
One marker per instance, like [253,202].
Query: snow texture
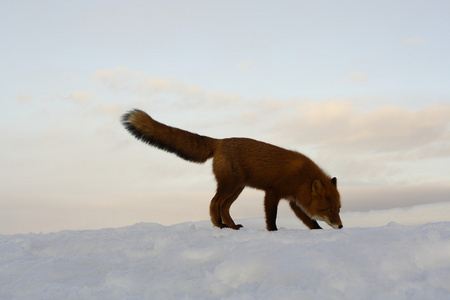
[408,259]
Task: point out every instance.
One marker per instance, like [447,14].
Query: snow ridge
[196,261]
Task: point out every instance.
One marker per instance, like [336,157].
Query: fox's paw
[235,227]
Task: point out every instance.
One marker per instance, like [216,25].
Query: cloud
[148,86]
[358,77]
[385,197]
[353,77]
[24,98]
[329,125]
[119,78]
[371,145]
[381,145]
[111,109]
[335,123]
[243,65]
[412,42]
[81,97]
[189,95]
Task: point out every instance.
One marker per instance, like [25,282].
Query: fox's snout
[334,225]
[340,226]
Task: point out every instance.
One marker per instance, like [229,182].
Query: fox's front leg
[271,207]
[312,224]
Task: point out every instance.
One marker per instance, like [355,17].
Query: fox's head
[325,203]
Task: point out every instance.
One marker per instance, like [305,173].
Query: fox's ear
[317,186]
[334,181]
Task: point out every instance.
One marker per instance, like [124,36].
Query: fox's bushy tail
[187,145]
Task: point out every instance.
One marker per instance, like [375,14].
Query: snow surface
[371,258]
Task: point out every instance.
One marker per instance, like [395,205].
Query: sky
[361,87]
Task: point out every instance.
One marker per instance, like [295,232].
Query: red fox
[241,162]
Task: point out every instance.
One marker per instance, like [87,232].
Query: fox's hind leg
[225,208]
[312,224]
[214,211]
[220,206]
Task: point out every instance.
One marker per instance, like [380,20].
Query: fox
[243,162]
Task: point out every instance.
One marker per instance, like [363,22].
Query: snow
[392,254]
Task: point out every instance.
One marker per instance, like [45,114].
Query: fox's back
[260,165]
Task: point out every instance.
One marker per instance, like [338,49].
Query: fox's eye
[330,210]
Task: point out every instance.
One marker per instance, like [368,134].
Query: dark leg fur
[310,223]
[220,206]
[214,211]
[225,209]
[271,208]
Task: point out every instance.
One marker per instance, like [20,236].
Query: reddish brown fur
[241,162]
